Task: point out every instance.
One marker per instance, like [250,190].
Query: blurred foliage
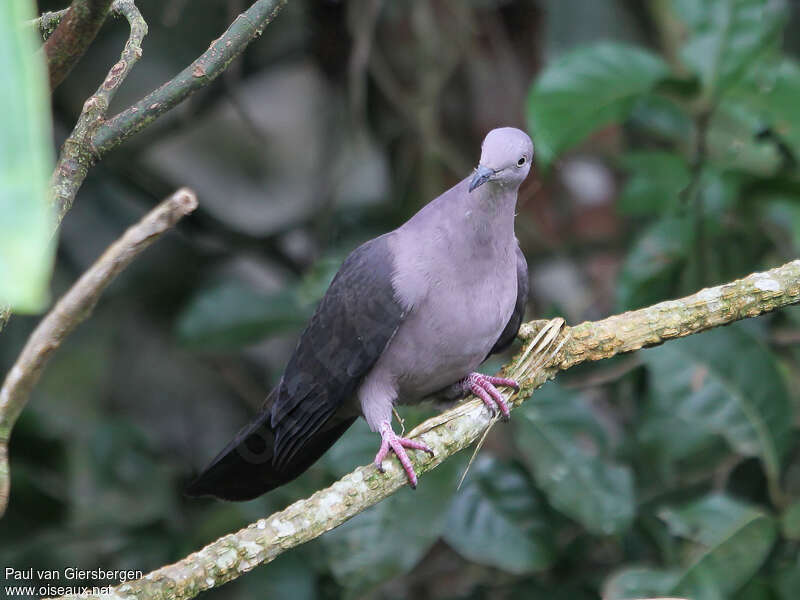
[667,138]
[26,160]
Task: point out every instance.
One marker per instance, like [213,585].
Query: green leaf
[660,118]
[700,380]
[388,539]
[586,89]
[728,542]
[770,89]
[639,582]
[733,142]
[790,522]
[727,36]
[233,314]
[497,519]
[787,580]
[556,433]
[654,263]
[26,160]
[654,184]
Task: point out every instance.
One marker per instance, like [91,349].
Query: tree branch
[93,136]
[208,66]
[233,555]
[74,308]
[72,37]
[76,157]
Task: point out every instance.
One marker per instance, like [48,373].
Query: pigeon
[409,316]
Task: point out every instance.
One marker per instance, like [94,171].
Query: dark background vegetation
[672,471]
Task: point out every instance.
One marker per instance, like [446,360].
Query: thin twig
[549,348]
[72,37]
[72,309]
[208,66]
[76,157]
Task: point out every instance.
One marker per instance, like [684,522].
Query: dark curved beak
[482,175]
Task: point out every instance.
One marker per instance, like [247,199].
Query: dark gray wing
[512,327]
[352,325]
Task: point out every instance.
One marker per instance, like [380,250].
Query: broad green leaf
[586,89]
[233,314]
[497,519]
[388,539]
[655,181]
[654,264]
[770,90]
[556,434]
[787,580]
[26,160]
[661,118]
[790,522]
[700,380]
[728,542]
[756,589]
[640,582]
[726,36]
[733,141]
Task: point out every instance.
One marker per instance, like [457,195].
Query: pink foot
[483,386]
[389,439]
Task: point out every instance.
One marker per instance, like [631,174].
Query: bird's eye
[521,161]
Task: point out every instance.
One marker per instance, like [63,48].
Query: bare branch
[76,157]
[72,309]
[208,66]
[72,37]
[233,555]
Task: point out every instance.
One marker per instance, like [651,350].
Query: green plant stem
[234,554]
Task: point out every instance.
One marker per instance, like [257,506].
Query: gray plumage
[409,314]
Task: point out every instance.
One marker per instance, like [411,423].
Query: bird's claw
[390,440]
[483,386]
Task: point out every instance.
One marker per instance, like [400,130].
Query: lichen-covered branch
[549,347]
[5,315]
[72,37]
[76,156]
[47,22]
[208,66]
[74,308]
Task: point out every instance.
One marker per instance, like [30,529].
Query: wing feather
[348,332]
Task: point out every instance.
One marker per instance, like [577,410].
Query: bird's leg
[389,439]
[483,386]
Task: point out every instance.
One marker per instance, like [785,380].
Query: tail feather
[244,469]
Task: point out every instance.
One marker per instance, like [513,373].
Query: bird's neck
[489,211]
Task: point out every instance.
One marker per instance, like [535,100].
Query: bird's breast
[453,326]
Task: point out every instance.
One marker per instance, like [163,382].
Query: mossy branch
[549,347]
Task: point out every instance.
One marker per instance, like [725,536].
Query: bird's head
[506,156]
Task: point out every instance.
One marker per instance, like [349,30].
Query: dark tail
[244,469]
